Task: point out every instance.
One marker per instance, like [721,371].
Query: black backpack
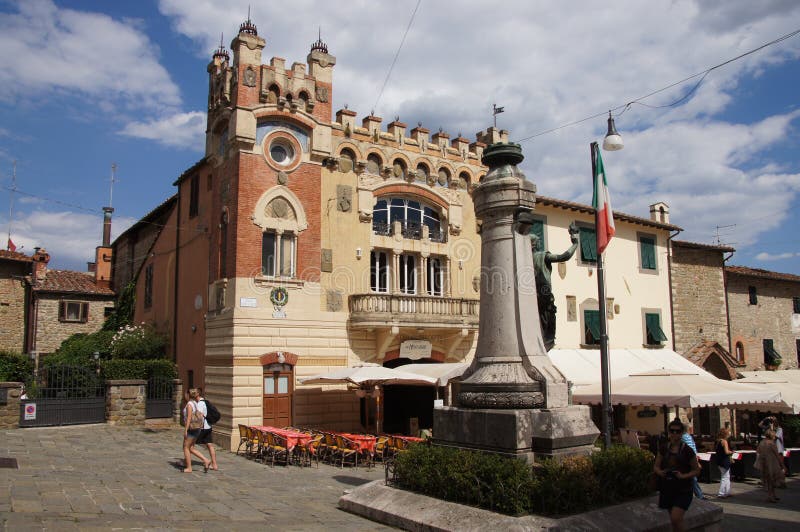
[213,414]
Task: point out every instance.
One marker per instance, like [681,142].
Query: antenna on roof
[10,245]
[111,187]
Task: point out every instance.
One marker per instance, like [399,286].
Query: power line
[703,73]
[396,55]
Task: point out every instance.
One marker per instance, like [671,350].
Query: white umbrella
[369,376]
[444,372]
[790,392]
[676,388]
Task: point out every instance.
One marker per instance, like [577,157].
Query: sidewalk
[98,477]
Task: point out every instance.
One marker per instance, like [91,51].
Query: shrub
[137,369]
[511,486]
[79,349]
[791,430]
[123,310]
[15,367]
[138,342]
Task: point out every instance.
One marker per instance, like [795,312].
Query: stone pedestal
[9,404]
[125,402]
[177,401]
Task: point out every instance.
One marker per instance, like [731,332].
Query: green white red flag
[601,201]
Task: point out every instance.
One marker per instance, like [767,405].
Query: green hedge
[512,487]
[791,431]
[79,349]
[138,369]
[15,367]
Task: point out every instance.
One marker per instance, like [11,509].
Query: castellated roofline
[346,120]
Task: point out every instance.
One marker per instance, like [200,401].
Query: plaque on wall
[415,349]
[326,261]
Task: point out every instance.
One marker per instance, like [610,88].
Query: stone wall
[12,308]
[698,297]
[125,402]
[50,332]
[769,318]
[9,404]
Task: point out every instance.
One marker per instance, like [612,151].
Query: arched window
[374,164]
[399,168]
[347,159]
[443,178]
[739,351]
[463,180]
[423,172]
[303,100]
[274,94]
[411,214]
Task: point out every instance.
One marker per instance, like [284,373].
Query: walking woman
[770,463]
[722,454]
[676,464]
[194,420]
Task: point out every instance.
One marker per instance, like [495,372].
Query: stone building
[15,269]
[764,309]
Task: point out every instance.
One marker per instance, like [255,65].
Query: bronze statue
[543,267]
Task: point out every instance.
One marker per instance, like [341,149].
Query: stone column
[177,400]
[512,399]
[9,404]
[125,402]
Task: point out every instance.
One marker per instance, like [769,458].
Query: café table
[293,438]
[363,442]
[709,471]
[791,457]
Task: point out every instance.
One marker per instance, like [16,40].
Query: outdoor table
[293,438]
[409,439]
[742,463]
[791,457]
[709,471]
[364,442]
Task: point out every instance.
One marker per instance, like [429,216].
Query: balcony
[379,310]
[410,230]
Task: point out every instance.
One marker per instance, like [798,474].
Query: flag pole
[601,296]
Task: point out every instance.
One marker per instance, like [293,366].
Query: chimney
[659,212]
[40,260]
[102,254]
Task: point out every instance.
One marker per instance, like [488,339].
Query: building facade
[764,311]
[15,270]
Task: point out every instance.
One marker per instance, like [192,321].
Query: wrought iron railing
[412,230]
[382,228]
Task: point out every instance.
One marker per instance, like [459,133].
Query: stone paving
[98,477]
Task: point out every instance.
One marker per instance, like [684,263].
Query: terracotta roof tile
[765,274]
[697,245]
[14,255]
[72,282]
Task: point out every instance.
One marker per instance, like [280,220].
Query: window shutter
[588,244]
[796,304]
[653,325]
[648,247]
[84,312]
[538,229]
[62,310]
[592,320]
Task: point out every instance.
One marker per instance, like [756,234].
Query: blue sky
[91,83]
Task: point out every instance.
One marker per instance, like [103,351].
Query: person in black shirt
[676,464]
[722,456]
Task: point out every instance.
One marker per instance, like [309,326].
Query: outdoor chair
[347,450]
[262,448]
[278,449]
[313,449]
[382,447]
[252,443]
[244,439]
[329,448]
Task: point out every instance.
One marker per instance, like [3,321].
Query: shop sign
[415,349]
[646,413]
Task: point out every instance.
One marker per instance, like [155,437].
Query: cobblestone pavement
[97,477]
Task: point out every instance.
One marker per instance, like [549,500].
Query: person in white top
[205,435]
[191,433]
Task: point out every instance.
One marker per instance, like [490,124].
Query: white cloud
[765,256]
[70,238]
[184,130]
[49,50]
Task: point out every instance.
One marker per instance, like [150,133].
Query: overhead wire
[703,74]
[396,55]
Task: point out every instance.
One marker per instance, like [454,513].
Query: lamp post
[611,142]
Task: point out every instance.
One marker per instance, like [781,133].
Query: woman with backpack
[722,455]
[676,464]
[205,435]
[194,422]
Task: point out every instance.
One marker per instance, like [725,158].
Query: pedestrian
[781,448]
[676,464]
[722,455]
[770,462]
[205,437]
[689,440]
[194,421]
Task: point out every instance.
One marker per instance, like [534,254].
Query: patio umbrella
[790,392]
[369,377]
[668,388]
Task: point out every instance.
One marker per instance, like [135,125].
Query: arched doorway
[407,409]
[278,388]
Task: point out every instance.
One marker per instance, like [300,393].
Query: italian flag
[601,201]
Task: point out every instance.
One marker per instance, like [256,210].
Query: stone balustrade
[410,308]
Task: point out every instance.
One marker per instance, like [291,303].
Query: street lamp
[96,356]
[612,142]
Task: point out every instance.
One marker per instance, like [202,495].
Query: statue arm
[550,257]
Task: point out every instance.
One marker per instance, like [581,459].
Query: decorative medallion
[249,77]
[279,297]
[322,94]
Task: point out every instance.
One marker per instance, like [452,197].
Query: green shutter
[654,333]
[648,247]
[538,229]
[591,319]
[588,244]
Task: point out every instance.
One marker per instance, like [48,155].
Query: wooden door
[278,388]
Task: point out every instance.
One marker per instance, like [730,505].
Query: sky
[87,84]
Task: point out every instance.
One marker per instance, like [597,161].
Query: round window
[281,152]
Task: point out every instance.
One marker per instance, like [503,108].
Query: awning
[780,375]
[443,373]
[582,366]
[369,376]
[688,389]
[790,391]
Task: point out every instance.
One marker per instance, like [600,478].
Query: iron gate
[64,395]
[159,397]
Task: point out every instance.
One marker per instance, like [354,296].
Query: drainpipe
[175,298]
[669,280]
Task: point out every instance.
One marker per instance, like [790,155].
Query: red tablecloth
[293,438]
[362,441]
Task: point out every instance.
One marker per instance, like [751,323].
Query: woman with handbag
[194,421]
[722,456]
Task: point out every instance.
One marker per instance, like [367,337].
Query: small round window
[281,152]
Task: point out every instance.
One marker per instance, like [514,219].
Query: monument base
[520,433]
